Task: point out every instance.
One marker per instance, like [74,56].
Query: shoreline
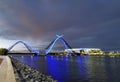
[25,73]
[68,55]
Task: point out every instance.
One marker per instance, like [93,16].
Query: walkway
[6,70]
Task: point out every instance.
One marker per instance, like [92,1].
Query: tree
[3,51]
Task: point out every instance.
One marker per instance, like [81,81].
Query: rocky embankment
[25,73]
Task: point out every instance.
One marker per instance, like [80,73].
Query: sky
[84,23]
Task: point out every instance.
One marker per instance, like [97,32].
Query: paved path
[6,70]
[1,60]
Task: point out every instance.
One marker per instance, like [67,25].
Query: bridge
[47,49]
[52,44]
[30,49]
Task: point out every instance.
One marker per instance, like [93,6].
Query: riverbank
[77,54]
[106,55]
[29,74]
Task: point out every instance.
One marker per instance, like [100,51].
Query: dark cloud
[84,23]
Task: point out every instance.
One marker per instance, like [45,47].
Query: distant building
[85,51]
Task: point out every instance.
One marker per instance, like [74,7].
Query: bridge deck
[22,53]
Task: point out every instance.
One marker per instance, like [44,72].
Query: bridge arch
[26,45]
[59,37]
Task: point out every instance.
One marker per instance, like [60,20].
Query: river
[76,69]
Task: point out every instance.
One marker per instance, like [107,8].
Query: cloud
[84,23]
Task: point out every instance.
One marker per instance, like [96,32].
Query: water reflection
[76,69]
[67,69]
[104,69]
[97,69]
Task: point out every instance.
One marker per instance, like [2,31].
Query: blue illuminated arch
[27,46]
[59,37]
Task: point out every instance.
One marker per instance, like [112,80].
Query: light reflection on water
[76,69]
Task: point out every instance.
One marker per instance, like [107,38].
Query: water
[76,69]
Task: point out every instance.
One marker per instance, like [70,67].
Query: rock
[29,74]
